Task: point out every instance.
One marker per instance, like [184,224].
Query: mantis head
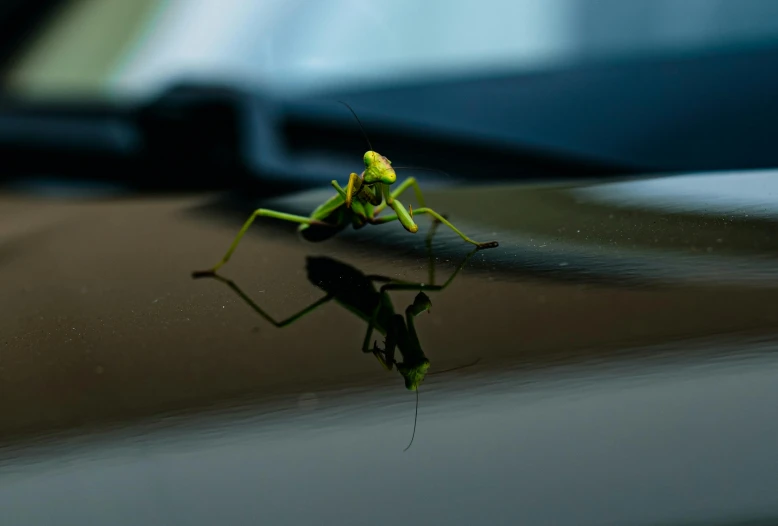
[420,303]
[378,169]
[414,376]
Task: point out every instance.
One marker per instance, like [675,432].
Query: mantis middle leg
[402,187]
[352,188]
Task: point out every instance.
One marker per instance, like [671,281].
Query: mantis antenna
[371,146]
[360,124]
[422,168]
[415,418]
[455,368]
[416,415]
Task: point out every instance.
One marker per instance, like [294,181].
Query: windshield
[306,45]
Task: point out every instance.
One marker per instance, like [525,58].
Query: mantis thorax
[378,169]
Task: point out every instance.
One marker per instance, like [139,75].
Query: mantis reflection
[357,292]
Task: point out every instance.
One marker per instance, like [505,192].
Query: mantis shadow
[367,296]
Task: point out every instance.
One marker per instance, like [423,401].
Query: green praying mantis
[356,292]
[359,204]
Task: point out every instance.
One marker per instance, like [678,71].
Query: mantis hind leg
[260,212]
[402,187]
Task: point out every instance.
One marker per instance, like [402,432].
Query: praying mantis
[366,195]
[356,292]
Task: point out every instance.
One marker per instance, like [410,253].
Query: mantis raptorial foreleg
[371,195]
[260,212]
[359,208]
[353,187]
[409,182]
[394,334]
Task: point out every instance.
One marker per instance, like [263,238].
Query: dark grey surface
[634,444]
[132,394]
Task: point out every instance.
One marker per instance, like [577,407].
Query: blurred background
[559,89]
[121,48]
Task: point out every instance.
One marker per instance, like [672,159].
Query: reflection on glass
[356,291]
